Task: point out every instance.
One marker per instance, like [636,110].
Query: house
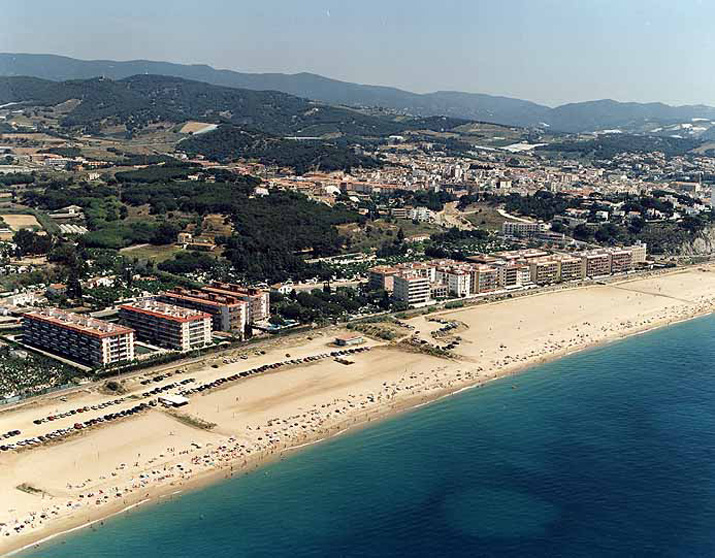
[283,288]
[69,212]
[349,340]
[56,289]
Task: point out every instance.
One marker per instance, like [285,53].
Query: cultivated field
[197,127]
[17,222]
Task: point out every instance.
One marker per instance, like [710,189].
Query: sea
[608,452]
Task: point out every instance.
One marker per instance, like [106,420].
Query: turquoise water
[610,452]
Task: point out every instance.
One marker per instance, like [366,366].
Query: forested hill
[140,100]
[228,143]
[574,117]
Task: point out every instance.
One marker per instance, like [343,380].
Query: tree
[31,243]
[74,287]
[582,232]
[166,233]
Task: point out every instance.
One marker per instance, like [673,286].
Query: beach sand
[104,470]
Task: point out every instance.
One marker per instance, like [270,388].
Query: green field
[371,236]
[485,217]
[156,254]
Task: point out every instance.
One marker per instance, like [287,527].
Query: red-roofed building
[78,337]
[166,325]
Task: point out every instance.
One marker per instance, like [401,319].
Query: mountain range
[139,100]
[571,118]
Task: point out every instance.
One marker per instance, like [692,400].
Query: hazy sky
[549,51]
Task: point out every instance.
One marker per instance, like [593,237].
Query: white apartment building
[411,288]
[639,253]
[523,229]
[166,325]
[421,214]
[459,283]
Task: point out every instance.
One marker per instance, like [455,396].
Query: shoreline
[352,422]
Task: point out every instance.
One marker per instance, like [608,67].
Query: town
[114,260]
[341,279]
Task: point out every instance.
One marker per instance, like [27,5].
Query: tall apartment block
[544,270]
[227,313]
[411,288]
[484,279]
[595,264]
[621,260]
[167,325]
[570,268]
[639,252]
[513,274]
[87,340]
[382,278]
[259,301]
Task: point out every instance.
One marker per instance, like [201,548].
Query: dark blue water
[607,453]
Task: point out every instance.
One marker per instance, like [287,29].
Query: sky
[548,51]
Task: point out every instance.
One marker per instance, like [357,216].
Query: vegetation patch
[192,421]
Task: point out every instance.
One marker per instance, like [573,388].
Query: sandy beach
[237,426]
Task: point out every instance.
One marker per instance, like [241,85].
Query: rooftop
[233,289]
[77,322]
[166,311]
[211,299]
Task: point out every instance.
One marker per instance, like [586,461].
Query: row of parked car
[167,387]
[80,410]
[161,377]
[10,434]
[445,329]
[288,362]
[63,432]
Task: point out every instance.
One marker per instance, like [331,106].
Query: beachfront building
[81,338]
[227,313]
[167,325]
[484,279]
[349,339]
[639,253]
[513,275]
[438,291]
[411,289]
[595,264]
[544,270]
[621,260]
[570,268]
[382,278]
[258,300]
[458,282]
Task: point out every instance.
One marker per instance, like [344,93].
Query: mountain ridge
[143,99]
[576,117]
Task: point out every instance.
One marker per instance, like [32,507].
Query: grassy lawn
[484,216]
[371,236]
[156,253]
[412,229]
